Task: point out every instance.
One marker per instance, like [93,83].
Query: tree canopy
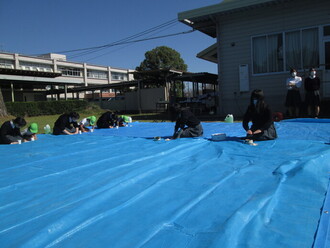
[162,57]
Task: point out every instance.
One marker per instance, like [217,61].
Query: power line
[124,39]
[123,46]
[135,41]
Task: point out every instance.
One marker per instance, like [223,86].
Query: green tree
[156,66]
[162,57]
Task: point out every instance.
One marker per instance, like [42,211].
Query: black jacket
[62,123]
[7,130]
[106,119]
[186,118]
[262,120]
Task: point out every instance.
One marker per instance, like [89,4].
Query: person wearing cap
[67,124]
[123,120]
[30,133]
[107,120]
[86,122]
[260,114]
[10,131]
[187,125]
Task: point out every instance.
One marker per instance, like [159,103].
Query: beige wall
[148,100]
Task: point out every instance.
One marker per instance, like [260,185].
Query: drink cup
[32,139]
[19,142]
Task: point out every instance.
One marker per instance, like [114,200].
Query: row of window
[66,71]
[283,51]
[6,64]
[75,72]
[35,67]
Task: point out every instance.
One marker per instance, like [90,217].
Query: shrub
[45,107]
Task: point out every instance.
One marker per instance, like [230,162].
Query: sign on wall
[244,78]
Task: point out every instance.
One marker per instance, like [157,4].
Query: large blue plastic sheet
[120,188]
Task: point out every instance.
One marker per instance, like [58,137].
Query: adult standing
[312,87]
[67,124]
[293,99]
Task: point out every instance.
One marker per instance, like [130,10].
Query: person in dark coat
[10,131]
[107,120]
[67,124]
[312,87]
[187,125]
[260,114]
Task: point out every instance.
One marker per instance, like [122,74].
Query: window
[310,48]
[327,55]
[326,30]
[35,66]
[71,72]
[293,50]
[4,63]
[97,74]
[301,50]
[268,53]
[118,76]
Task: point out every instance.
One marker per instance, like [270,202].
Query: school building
[51,76]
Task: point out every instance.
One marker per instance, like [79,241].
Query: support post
[66,92]
[12,92]
[139,96]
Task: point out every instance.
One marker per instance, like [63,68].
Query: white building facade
[27,78]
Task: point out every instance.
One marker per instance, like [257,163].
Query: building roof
[202,19]
[19,72]
[209,54]
[200,77]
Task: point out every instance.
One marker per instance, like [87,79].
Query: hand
[249,132]
[257,131]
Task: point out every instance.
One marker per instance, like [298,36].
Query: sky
[46,26]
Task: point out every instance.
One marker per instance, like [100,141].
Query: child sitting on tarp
[30,133]
[10,132]
[123,120]
[259,113]
[107,120]
[86,122]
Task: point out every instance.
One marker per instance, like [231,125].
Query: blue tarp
[120,188]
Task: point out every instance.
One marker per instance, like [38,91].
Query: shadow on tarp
[115,188]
